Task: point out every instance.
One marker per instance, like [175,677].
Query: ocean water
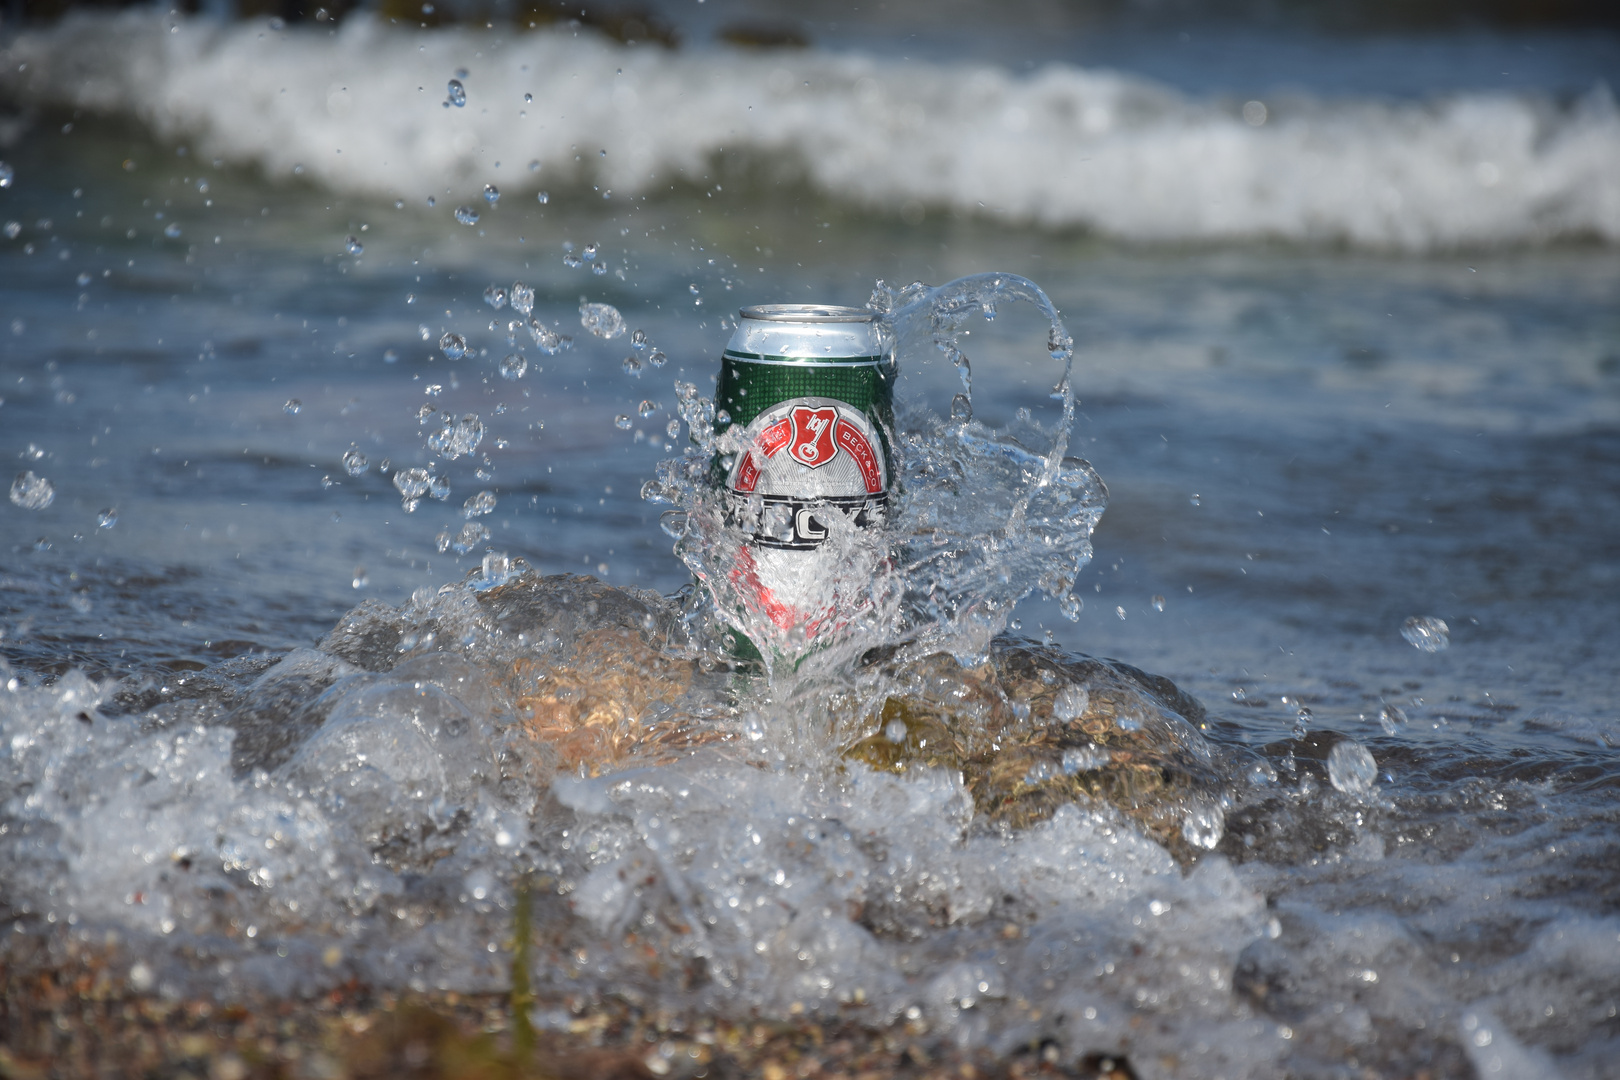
[1346,325]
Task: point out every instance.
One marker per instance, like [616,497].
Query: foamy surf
[365,109]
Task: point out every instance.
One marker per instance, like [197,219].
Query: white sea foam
[361,109]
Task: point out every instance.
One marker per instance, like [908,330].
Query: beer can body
[808,395]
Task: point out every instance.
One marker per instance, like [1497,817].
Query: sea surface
[1346,325]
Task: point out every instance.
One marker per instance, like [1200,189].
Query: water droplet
[83,279]
[638,339]
[439,488]
[1071,606]
[513,367]
[354,246]
[1351,769]
[1203,825]
[961,408]
[542,197]
[457,437]
[361,580]
[412,484]
[7,174]
[1196,500]
[466,215]
[492,194]
[1427,633]
[632,365]
[497,568]
[432,201]
[895,731]
[1158,602]
[107,518]
[32,492]
[1302,721]
[453,345]
[521,298]
[1390,717]
[1120,611]
[603,320]
[292,406]
[495,297]
[355,461]
[534,166]
[657,358]
[458,94]
[598,268]
[548,340]
[1059,344]
[673,428]
[172,231]
[13,230]
[464,539]
[572,261]
[478,505]
[622,422]
[754,727]
[647,408]
[722,418]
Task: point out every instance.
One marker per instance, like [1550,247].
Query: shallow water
[1304,447]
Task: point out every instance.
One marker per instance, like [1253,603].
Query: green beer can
[812,391]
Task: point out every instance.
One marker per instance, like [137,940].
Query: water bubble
[355,461]
[895,731]
[32,492]
[513,367]
[1071,703]
[457,437]
[638,339]
[622,422]
[657,359]
[478,505]
[292,406]
[1158,602]
[412,484]
[464,539]
[7,174]
[458,94]
[495,297]
[1351,769]
[453,345]
[603,320]
[492,194]
[548,340]
[632,365]
[1390,717]
[1427,633]
[542,197]
[466,215]
[353,245]
[647,408]
[107,518]
[172,231]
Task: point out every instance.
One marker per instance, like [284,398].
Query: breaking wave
[364,109]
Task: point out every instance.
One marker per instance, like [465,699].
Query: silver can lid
[807,313]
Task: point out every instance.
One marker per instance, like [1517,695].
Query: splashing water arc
[986,515]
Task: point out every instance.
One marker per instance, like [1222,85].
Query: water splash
[984,516]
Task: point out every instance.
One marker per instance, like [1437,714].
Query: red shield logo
[813,433]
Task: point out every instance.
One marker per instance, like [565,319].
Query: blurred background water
[1343,281]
